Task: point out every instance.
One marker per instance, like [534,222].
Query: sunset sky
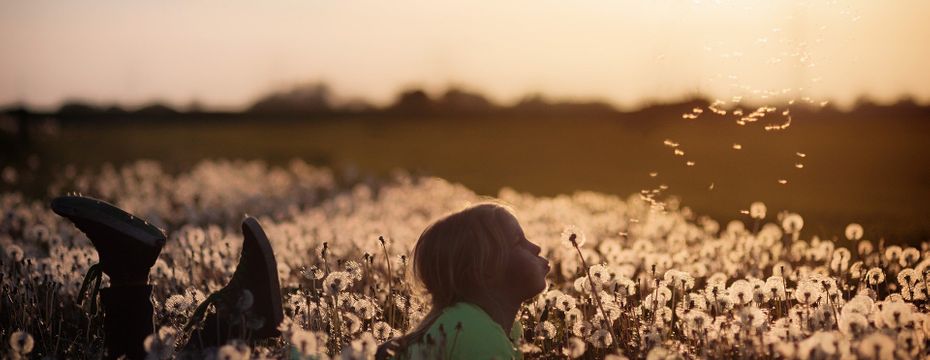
[226,53]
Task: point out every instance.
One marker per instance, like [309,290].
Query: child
[478,267]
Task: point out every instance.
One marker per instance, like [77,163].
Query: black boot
[127,247]
[249,306]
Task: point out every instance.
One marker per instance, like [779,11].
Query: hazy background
[225,53]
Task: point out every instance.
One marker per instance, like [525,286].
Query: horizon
[225,58]
[336,105]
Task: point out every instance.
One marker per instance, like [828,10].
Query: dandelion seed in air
[824,103]
[711,187]
[800,154]
[799,165]
[653,174]
[670,143]
[679,152]
[690,163]
[782,181]
[737,147]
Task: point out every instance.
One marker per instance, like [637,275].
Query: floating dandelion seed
[653,174]
[744,212]
[711,187]
[697,110]
[679,152]
[689,163]
[670,143]
[799,165]
[824,103]
[800,154]
[737,146]
[716,109]
[782,126]
[782,181]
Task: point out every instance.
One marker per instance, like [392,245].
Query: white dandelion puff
[572,236]
[21,342]
[853,232]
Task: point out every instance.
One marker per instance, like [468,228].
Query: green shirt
[480,337]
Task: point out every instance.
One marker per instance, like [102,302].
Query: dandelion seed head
[545,330]
[854,232]
[757,210]
[21,342]
[573,236]
[574,348]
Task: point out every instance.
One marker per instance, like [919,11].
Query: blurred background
[815,107]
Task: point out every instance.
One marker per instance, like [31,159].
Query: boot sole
[252,226]
[104,213]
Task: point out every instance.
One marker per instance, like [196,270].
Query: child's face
[526,271]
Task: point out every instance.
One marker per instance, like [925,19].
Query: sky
[225,54]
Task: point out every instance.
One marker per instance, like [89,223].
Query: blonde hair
[455,256]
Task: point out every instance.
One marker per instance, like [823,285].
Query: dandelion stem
[595,294]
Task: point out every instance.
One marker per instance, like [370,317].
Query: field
[670,283]
[870,166]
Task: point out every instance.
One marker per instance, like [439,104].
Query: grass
[859,168]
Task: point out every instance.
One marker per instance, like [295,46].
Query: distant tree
[414,101]
[115,110]
[532,103]
[74,107]
[310,98]
[356,105]
[156,109]
[461,101]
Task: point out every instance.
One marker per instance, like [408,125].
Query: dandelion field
[652,284]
